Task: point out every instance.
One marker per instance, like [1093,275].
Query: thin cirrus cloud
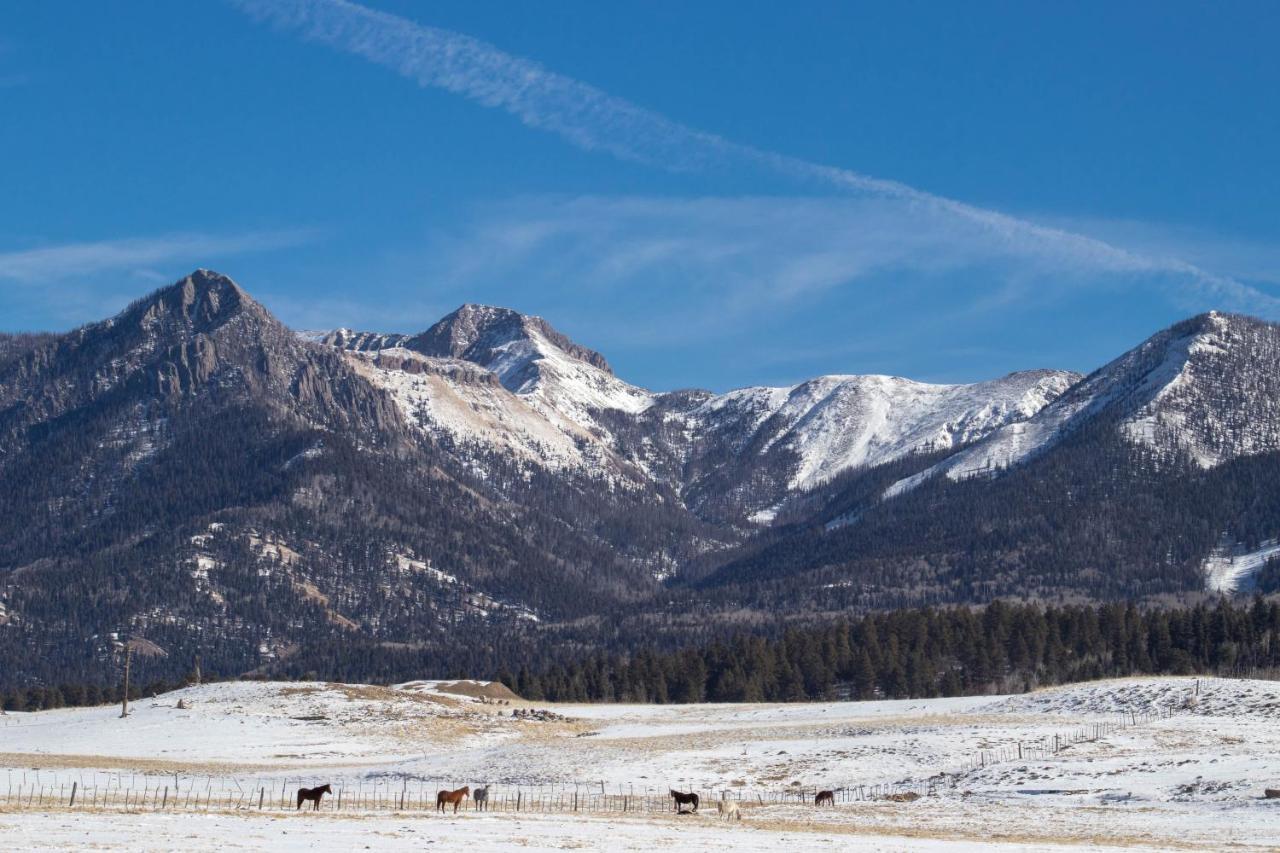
[735,256]
[56,285]
[136,255]
[594,120]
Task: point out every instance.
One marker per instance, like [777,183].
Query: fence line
[403,793]
[1051,745]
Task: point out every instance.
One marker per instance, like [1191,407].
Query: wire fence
[150,793]
[74,789]
[1049,746]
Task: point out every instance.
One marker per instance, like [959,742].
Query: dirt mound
[478,689]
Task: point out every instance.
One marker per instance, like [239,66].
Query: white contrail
[597,121]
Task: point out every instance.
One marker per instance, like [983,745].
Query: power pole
[124,702]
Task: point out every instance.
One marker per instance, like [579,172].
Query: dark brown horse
[683,799]
[312,794]
[455,797]
[828,797]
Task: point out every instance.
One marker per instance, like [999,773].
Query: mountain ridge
[191,469]
[556,420]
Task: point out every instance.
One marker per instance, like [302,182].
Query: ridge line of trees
[910,653]
[928,652]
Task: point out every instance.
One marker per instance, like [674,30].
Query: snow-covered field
[1194,780]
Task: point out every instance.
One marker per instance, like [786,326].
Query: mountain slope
[731,457]
[787,440]
[1206,390]
[191,469]
[1123,486]
[194,472]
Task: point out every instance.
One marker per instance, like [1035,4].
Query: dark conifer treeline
[919,653]
[930,652]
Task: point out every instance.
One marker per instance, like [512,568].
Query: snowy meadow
[1157,763]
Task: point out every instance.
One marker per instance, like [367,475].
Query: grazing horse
[828,797]
[454,797]
[728,809]
[683,799]
[480,796]
[312,794]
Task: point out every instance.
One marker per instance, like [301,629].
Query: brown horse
[683,799]
[312,794]
[454,797]
[828,797]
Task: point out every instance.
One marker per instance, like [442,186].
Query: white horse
[480,796]
[728,809]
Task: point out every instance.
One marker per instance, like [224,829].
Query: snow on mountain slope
[469,405]
[1231,569]
[532,360]
[834,423]
[492,377]
[1206,389]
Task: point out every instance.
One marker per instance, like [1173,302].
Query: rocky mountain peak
[203,304]
[202,301]
[478,332]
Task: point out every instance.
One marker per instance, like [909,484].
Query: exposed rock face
[479,333]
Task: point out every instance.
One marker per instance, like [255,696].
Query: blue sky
[713,194]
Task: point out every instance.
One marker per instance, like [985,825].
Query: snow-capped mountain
[493,378]
[191,469]
[812,432]
[1206,390]
[834,423]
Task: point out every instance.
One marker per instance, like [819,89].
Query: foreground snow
[478,833]
[1191,780]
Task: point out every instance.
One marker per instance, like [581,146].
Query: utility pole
[124,701]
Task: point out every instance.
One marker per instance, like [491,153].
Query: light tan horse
[455,797]
[728,809]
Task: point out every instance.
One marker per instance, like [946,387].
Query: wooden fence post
[73,794]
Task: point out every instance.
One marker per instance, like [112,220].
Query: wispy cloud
[740,255]
[594,120]
[56,285]
[136,256]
